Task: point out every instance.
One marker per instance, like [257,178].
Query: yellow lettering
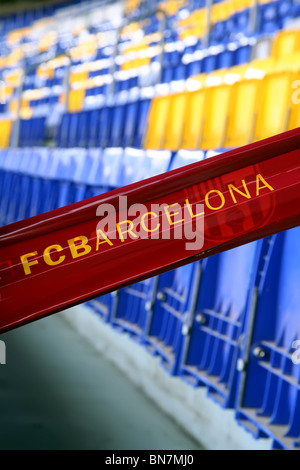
[265,184]
[79,249]
[171,222]
[221,197]
[26,263]
[233,188]
[47,257]
[105,239]
[144,225]
[128,229]
[191,211]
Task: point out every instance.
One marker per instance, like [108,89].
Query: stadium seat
[175,121]
[157,122]
[217,322]
[193,124]
[6,129]
[274,105]
[185,157]
[217,102]
[269,397]
[285,43]
[242,113]
[174,299]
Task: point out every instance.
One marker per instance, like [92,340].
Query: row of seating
[112,120]
[193,119]
[26,17]
[228,109]
[215,323]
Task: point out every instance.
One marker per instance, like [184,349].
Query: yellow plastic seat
[76,100]
[193,124]
[289,62]
[157,122]
[79,76]
[5,133]
[175,121]
[242,112]
[258,68]
[237,72]
[216,77]
[274,105]
[216,107]
[285,43]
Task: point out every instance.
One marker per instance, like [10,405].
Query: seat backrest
[286,42]
[288,300]
[193,125]
[273,105]
[157,122]
[176,120]
[185,157]
[242,112]
[233,280]
[216,106]
[134,166]
[157,162]
[113,167]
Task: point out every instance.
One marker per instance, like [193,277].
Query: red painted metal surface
[61,258]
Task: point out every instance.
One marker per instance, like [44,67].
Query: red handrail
[64,257]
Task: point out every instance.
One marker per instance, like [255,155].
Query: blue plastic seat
[63,131]
[131,122]
[79,167]
[32,131]
[92,132]
[28,166]
[156,162]
[61,172]
[174,299]
[104,123]
[118,119]
[241,22]
[216,324]
[82,130]
[10,186]
[168,73]
[95,179]
[209,63]
[242,55]
[141,122]
[73,130]
[269,401]
[134,168]
[186,157]
[112,168]
[193,67]
[268,21]
[132,309]
[226,59]
[26,196]
[41,185]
